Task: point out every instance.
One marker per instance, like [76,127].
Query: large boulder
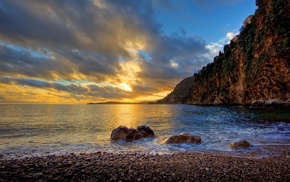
[183,138]
[145,131]
[240,144]
[130,134]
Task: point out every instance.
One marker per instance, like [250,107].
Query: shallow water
[33,130]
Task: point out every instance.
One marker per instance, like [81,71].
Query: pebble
[36,175]
[44,165]
[59,165]
[144,167]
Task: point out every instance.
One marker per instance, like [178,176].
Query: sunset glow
[98,51]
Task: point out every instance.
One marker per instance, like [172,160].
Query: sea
[31,130]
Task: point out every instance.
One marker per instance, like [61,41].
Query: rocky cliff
[180,93]
[254,66]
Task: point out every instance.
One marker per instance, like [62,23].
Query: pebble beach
[103,166]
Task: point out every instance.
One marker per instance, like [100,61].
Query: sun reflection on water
[126,115]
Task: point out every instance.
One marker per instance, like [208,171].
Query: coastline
[187,166]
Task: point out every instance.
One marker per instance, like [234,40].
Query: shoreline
[254,151]
[184,166]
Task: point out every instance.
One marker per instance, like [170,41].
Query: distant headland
[115,102]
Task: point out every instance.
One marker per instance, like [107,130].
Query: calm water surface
[32,130]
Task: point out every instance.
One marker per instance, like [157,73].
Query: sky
[80,51]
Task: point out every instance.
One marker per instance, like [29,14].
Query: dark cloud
[91,63]
[74,90]
[76,24]
[97,34]
[38,83]
[32,83]
[179,49]
[32,24]
[107,92]
[23,62]
[143,89]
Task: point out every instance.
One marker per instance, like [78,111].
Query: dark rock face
[180,93]
[130,134]
[240,144]
[255,67]
[183,138]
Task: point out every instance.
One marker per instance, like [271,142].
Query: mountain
[254,66]
[180,93]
